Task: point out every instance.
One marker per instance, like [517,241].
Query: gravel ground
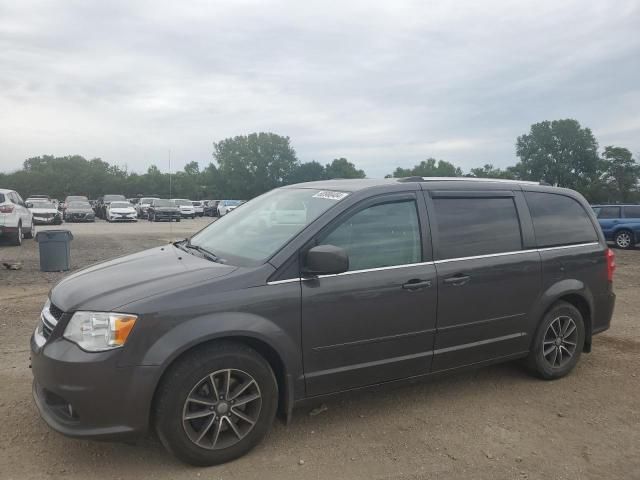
[491,423]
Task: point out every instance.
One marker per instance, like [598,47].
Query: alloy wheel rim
[560,341]
[221,409]
[623,240]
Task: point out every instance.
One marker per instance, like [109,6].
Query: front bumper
[47,220]
[123,219]
[87,395]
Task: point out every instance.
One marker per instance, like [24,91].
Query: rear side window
[467,227]
[2,198]
[383,235]
[559,220]
[609,212]
[632,211]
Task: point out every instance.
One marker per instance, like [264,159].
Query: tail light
[6,208]
[611,264]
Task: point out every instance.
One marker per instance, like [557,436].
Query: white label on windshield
[329,195]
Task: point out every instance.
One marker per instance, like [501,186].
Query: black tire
[16,237]
[177,219]
[550,367]
[32,231]
[624,239]
[193,372]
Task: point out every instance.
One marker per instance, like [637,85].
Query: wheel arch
[278,357]
[575,293]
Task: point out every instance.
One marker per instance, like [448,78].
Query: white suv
[16,220]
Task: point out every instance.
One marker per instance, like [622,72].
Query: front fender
[198,330]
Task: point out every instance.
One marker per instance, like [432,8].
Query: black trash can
[55,246]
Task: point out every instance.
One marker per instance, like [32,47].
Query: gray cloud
[385,85]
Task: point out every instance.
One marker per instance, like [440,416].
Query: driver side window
[382,235]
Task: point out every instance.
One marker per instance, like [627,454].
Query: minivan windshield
[161,202]
[179,201]
[264,225]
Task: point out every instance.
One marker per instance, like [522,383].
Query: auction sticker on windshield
[329,195]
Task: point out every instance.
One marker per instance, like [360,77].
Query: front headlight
[99,331]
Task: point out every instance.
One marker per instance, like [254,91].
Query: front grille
[55,311]
[50,319]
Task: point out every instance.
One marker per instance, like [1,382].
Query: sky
[385,84]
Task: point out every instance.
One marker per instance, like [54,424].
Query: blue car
[620,223]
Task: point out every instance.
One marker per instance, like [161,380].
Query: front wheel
[624,239]
[216,404]
[558,342]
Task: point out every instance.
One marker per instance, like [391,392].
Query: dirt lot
[491,423]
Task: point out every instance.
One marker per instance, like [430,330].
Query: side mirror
[326,260]
[29,205]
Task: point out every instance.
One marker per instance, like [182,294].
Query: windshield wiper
[204,252]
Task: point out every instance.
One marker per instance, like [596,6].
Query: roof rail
[467,179]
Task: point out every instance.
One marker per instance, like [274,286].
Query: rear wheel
[216,404]
[32,231]
[558,342]
[16,237]
[624,239]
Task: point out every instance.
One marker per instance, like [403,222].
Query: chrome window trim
[436,262]
[562,247]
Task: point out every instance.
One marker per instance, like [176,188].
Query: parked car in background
[118,211]
[186,207]
[205,339]
[103,204]
[161,209]
[226,206]
[16,220]
[45,213]
[211,208]
[198,207]
[79,211]
[620,224]
[37,198]
[143,206]
[73,198]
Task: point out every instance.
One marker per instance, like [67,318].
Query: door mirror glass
[326,260]
[29,205]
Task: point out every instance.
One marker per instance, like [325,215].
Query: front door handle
[416,284]
[457,280]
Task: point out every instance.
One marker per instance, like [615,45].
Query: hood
[107,286]
[36,210]
[123,210]
[166,209]
[79,210]
[186,207]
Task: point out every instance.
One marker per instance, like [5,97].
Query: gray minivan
[314,289]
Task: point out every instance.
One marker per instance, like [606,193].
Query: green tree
[620,173]
[342,168]
[255,163]
[559,152]
[429,168]
[307,172]
[489,171]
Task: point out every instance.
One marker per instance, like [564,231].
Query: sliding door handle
[457,280]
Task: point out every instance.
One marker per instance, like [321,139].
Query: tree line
[559,152]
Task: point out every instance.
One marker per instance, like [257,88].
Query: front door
[375,322]
[488,281]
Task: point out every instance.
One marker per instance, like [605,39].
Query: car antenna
[171,239]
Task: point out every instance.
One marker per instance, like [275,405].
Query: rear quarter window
[559,220]
[632,211]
